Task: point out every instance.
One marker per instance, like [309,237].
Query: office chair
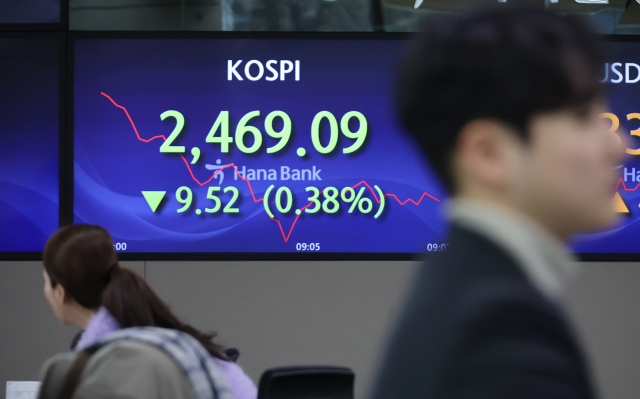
[307,382]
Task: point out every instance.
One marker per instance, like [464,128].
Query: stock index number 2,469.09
[277,125]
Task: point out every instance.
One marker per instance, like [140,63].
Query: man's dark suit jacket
[475,327]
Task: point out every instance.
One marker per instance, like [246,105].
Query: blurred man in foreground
[506,105]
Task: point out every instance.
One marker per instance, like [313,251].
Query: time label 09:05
[303,246]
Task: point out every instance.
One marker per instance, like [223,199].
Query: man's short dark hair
[506,64]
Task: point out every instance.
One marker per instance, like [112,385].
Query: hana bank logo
[618,72]
[219,174]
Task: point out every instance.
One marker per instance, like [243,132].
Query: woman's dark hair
[82,259]
[505,64]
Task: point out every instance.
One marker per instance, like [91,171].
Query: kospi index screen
[29,130]
[249,146]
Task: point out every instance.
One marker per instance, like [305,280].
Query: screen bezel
[62,128]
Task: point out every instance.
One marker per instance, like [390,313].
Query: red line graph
[285,235]
[624,186]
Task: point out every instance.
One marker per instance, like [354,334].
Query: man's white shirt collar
[543,258]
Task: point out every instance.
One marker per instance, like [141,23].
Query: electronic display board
[278,145]
[231,145]
[30,133]
[621,76]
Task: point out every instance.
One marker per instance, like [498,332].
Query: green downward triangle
[154,198]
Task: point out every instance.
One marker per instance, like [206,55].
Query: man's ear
[483,153]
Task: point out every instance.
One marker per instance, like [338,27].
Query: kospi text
[254,70]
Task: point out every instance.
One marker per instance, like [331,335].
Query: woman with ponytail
[86,287]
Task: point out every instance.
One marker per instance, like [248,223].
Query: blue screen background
[149,76]
[29,129]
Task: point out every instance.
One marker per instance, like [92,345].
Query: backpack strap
[75,371]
